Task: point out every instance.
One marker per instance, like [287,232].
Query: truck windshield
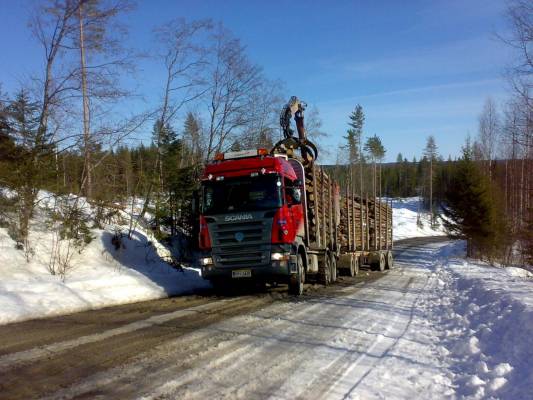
[242,194]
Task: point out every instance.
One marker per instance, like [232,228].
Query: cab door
[293,199]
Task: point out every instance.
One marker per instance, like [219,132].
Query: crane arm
[295,109]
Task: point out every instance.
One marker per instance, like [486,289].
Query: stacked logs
[365,224]
[322,196]
[342,218]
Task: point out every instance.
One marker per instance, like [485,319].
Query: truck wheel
[333,266]
[390,260]
[324,271]
[296,281]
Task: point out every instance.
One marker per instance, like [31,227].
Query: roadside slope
[485,318]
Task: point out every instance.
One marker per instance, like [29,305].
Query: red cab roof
[246,166]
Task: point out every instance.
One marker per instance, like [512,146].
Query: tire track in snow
[169,362]
[346,362]
[63,368]
[48,350]
[342,368]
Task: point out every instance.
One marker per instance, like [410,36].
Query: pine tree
[400,177]
[29,164]
[471,212]
[354,139]
[192,131]
[376,152]
[430,152]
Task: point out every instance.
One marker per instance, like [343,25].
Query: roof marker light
[232,155]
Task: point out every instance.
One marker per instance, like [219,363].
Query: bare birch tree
[184,59]
[431,154]
[488,135]
[232,79]
[98,39]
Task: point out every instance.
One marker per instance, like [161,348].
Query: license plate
[241,273]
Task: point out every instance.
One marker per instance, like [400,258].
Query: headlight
[206,261]
[280,256]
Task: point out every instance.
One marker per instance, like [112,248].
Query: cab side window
[287,184]
[292,193]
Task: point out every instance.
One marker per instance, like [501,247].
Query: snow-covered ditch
[484,316]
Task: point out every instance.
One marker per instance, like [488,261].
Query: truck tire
[390,260]
[324,271]
[333,266]
[356,266]
[296,281]
[351,271]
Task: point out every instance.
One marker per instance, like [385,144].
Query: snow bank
[485,315]
[100,275]
[404,220]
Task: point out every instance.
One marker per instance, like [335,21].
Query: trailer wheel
[351,270]
[382,262]
[390,260]
[333,266]
[324,271]
[296,281]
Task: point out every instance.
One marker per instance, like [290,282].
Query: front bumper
[278,271]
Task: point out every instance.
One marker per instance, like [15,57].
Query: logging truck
[277,216]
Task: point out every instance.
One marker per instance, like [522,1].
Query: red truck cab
[252,222]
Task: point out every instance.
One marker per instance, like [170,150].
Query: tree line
[66,130]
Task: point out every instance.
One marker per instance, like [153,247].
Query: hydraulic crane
[295,109]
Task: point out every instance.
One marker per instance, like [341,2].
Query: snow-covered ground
[405,217]
[485,319]
[435,327]
[99,276]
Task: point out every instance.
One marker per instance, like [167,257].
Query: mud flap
[293,264]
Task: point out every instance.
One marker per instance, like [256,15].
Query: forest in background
[65,131]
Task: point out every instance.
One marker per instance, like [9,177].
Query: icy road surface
[376,336]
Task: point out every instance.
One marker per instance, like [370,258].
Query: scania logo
[238,217]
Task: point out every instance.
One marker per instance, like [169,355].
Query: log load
[365,224]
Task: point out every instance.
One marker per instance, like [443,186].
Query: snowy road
[369,337]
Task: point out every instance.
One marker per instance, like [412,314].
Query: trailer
[365,233]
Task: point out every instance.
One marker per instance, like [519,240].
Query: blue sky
[416,67]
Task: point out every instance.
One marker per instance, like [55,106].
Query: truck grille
[241,244]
